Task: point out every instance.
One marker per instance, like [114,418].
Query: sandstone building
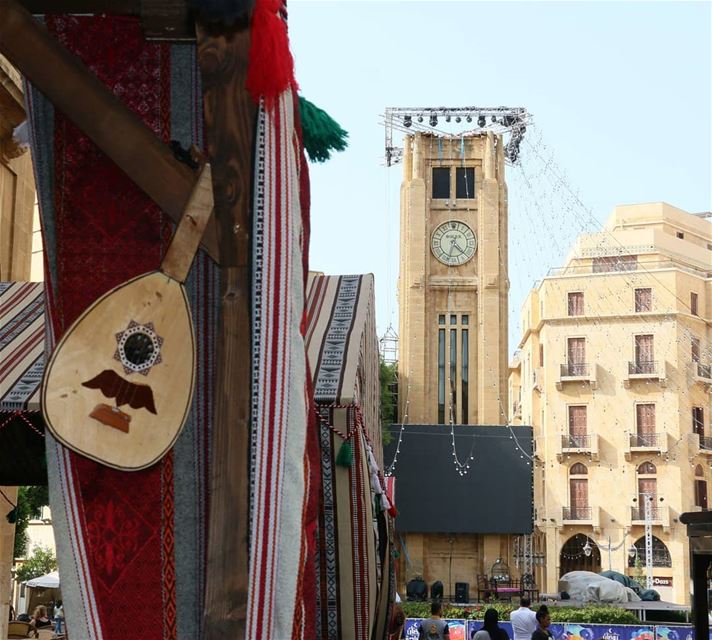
[614,374]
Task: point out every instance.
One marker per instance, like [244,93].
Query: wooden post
[230,121]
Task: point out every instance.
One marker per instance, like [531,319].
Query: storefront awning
[21,345]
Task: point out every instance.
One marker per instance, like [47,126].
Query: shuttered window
[643,300]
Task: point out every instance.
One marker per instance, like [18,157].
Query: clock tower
[453,283]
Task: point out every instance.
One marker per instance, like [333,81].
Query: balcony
[645,442]
[581,515]
[705,445]
[583,444]
[576,372]
[645,370]
[702,373]
[659,516]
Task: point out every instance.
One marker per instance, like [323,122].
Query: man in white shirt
[523,620]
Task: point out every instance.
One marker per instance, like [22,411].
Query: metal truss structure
[455,122]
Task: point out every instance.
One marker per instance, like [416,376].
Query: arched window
[578,493]
[647,490]
[661,555]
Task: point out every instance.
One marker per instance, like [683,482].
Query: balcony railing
[577,513]
[638,514]
[703,370]
[706,443]
[647,440]
[574,369]
[576,441]
[643,367]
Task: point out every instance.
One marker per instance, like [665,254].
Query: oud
[119,384]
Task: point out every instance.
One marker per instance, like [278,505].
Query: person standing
[490,628]
[544,619]
[434,627]
[523,620]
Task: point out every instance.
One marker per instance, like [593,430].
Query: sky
[620,94]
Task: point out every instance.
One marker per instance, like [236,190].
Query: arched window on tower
[578,492]
[661,555]
[700,488]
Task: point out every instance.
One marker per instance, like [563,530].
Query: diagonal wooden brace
[116,130]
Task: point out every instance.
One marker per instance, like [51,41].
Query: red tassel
[271,66]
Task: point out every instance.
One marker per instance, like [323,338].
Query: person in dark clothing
[434,628]
[544,620]
[490,628]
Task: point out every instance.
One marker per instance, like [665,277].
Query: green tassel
[345,457]
[12,516]
[321,133]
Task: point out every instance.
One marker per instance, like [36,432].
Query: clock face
[453,243]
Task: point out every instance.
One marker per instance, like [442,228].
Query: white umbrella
[49,581]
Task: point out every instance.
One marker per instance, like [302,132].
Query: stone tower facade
[453,283]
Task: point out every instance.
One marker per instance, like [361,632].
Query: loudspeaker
[462,592]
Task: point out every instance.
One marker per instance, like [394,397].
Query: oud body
[119,385]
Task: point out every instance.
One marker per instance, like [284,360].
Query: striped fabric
[278,491]
[21,345]
[158,594]
[355,577]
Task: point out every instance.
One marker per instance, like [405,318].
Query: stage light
[458,119]
[420,118]
[481,121]
[447,118]
[494,119]
[407,121]
[469,118]
[433,121]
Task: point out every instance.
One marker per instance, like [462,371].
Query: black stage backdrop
[495,496]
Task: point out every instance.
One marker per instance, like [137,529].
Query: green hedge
[590,613]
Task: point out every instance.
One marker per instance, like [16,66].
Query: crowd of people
[43,617]
[526,624]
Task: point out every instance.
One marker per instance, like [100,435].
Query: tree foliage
[29,502]
[584,614]
[388,374]
[40,562]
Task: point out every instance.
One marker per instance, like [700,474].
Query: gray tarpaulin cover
[586,586]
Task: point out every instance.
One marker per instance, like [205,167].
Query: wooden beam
[116,130]
[170,20]
[230,122]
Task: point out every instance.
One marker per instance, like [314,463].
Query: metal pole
[610,565]
[648,540]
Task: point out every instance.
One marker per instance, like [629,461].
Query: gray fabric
[42,149]
[190,459]
[41,118]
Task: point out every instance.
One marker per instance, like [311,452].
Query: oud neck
[181,251]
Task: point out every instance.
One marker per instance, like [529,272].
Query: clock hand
[458,247]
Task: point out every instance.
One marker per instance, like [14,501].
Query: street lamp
[587,549]
[632,551]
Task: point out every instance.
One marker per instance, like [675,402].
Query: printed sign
[674,633]
[466,629]
[662,581]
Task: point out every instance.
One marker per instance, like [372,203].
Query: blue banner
[465,629]
[675,632]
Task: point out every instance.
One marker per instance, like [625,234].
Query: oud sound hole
[138,349]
